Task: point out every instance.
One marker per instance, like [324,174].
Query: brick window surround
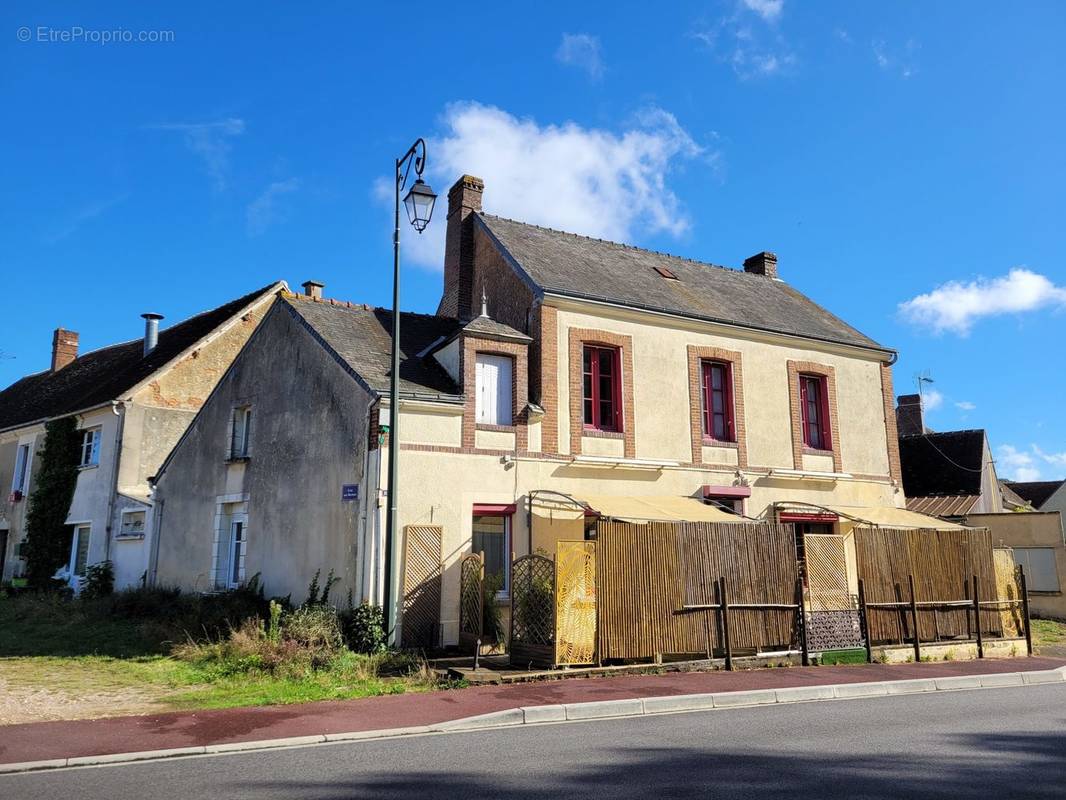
[696,357]
[795,369]
[549,378]
[519,352]
[578,338]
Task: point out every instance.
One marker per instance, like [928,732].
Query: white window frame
[75,540]
[90,447]
[494,398]
[123,533]
[1023,557]
[230,509]
[237,548]
[20,479]
[240,435]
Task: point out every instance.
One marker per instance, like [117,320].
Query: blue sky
[905,162]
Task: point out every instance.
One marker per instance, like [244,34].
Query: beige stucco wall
[661,393]
[1031,529]
[426,423]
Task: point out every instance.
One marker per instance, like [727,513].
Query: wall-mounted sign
[350,491]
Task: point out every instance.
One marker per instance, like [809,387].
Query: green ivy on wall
[48,540]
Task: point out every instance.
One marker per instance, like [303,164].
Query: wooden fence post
[977,619]
[725,624]
[864,619]
[1025,611]
[801,621]
[914,619]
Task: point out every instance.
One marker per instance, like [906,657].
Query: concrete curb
[601,709]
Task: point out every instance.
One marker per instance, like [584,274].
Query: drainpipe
[118,408]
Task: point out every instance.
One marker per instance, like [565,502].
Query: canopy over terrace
[867,516]
[556,517]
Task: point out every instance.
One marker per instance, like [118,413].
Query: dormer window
[494,389]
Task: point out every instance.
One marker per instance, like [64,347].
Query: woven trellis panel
[827,572]
[471,600]
[532,611]
[421,585]
[1008,588]
[575,603]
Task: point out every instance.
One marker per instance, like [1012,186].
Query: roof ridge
[623,245]
[354,306]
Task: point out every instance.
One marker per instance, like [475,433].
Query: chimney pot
[64,348]
[763,263]
[151,331]
[910,419]
[313,289]
[464,199]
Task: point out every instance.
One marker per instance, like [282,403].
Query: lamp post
[419,202]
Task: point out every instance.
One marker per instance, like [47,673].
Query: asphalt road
[1000,743]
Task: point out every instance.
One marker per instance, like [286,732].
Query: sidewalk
[56,740]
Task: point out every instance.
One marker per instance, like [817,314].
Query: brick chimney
[762,264]
[464,198]
[910,421]
[313,289]
[64,348]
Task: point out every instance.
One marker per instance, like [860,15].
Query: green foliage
[313,598]
[492,621]
[99,581]
[316,630]
[274,631]
[364,627]
[47,545]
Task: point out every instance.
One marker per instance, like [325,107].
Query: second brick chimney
[910,420]
[464,198]
[762,264]
[64,348]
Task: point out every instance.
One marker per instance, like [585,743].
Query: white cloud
[932,399]
[769,10]
[210,141]
[955,306]
[965,405]
[263,211]
[1056,459]
[754,48]
[590,181]
[582,51]
[1016,464]
[83,216]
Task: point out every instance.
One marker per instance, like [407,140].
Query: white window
[230,550]
[1039,566]
[132,524]
[79,550]
[21,477]
[493,389]
[241,432]
[90,447]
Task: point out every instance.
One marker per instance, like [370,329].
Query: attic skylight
[666,273]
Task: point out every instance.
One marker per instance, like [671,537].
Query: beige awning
[671,508]
[891,517]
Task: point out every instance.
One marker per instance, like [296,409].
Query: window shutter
[502,390]
[805,411]
[823,408]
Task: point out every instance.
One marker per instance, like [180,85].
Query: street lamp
[419,203]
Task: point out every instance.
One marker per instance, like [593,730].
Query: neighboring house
[1040,495]
[948,474]
[132,402]
[562,376]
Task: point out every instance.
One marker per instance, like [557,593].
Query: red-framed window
[814,409]
[602,388]
[718,422]
[491,536]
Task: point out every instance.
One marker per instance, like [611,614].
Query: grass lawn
[65,662]
[1046,631]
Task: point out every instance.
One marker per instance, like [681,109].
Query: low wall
[950,651]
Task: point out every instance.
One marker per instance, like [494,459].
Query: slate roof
[1036,492]
[491,329]
[103,375]
[361,336]
[942,464]
[947,505]
[568,264]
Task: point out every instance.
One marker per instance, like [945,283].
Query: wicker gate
[421,586]
[471,601]
[532,612]
[833,621]
[575,603]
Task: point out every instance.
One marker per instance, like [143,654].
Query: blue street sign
[350,491]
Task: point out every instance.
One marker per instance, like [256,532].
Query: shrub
[313,598]
[316,630]
[364,627]
[492,622]
[99,581]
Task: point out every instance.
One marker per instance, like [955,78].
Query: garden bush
[99,581]
[364,627]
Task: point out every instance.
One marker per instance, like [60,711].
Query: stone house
[562,377]
[132,402]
